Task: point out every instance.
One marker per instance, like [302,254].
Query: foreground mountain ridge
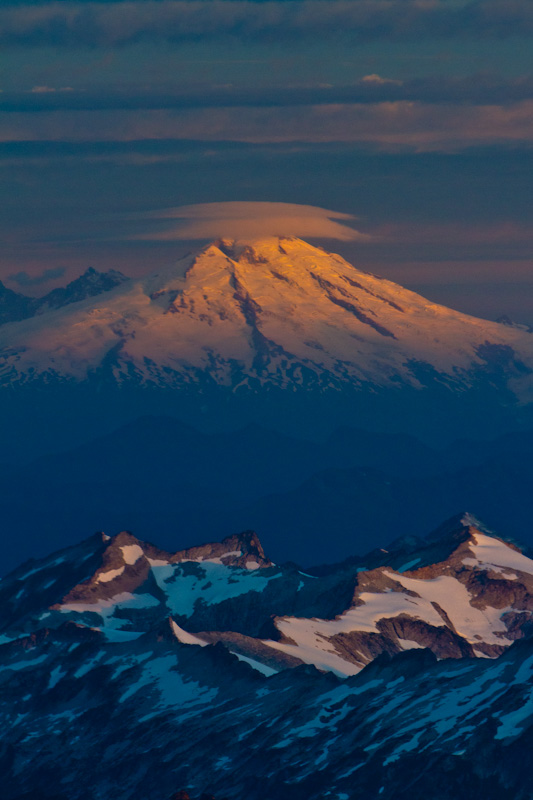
[110,687]
[271,312]
[465,594]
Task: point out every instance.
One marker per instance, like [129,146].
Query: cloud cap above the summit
[251,220]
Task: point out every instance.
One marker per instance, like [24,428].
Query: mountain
[466,604]
[132,583]
[273,332]
[91,284]
[15,306]
[270,312]
[129,672]
[463,592]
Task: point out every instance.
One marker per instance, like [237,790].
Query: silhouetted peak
[457,526]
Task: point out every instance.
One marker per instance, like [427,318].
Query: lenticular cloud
[244,220]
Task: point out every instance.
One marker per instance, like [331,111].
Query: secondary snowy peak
[91,284]
[129,566]
[133,586]
[458,526]
[15,306]
[275,311]
[473,603]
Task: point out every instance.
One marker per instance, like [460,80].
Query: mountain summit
[274,312]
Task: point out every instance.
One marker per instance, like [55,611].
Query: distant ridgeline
[311,501]
[273,330]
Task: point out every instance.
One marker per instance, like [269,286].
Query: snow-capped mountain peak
[469,601]
[274,311]
[121,584]
[15,306]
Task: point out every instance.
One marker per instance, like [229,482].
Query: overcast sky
[413,119]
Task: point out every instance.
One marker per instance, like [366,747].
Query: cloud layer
[250,220]
[118,23]
[416,113]
[421,127]
[471,89]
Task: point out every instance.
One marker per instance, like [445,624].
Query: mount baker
[273,312]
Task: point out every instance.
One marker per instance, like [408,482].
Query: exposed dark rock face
[91,284]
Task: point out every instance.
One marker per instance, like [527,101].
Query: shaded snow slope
[147,717]
[139,672]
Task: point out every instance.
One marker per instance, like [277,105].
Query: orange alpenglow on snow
[269,310]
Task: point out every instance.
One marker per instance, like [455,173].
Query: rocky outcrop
[243,550]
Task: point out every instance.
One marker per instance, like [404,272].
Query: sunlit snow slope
[469,604]
[275,311]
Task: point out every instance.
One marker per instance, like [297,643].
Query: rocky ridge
[15,306]
[464,593]
[109,687]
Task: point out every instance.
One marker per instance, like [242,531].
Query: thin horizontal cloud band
[249,219]
[96,24]
[386,125]
[475,89]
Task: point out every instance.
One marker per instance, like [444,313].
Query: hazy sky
[414,118]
